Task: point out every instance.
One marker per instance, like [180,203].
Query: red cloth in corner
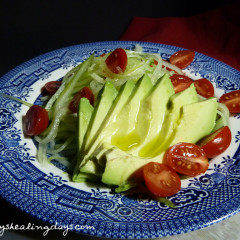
[215,33]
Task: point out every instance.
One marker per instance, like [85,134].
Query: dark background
[29,28]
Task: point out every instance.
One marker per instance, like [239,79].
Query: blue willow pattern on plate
[48,195]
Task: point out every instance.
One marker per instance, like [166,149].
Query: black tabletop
[32,27]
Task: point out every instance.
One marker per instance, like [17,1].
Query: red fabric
[215,33]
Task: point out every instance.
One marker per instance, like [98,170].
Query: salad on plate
[131,120]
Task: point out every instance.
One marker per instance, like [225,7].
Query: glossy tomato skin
[161,180]
[204,87]
[182,58]
[187,159]
[51,87]
[35,121]
[217,142]
[85,92]
[117,61]
[180,82]
[232,101]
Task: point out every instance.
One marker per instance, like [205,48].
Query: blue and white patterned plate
[47,192]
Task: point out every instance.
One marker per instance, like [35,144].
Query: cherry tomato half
[186,158]
[180,82]
[35,121]
[51,87]
[83,93]
[182,58]
[161,180]
[232,101]
[204,87]
[117,61]
[217,142]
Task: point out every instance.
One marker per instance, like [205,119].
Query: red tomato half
[51,87]
[217,142]
[204,87]
[182,58]
[35,121]
[232,101]
[180,82]
[83,93]
[117,61]
[161,180]
[186,158]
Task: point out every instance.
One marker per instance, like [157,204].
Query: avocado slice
[203,123]
[152,112]
[122,169]
[109,125]
[125,136]
[118,122]
[106,99]
[85,111]
[107,128]
[170,123]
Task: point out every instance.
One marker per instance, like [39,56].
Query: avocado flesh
[85,111]
[84,116]
[107,128]
[204,121]
[170,123]
[106,100]
[122,168]
[152,113]
[118,123]
[126,137]
[163,113]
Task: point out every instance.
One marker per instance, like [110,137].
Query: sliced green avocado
[125,137]
[85,111]
[84,116]
[105,102]
[152,112]
[118,122]
[122,169]
[197,121]
[107,128]
[109,125]
[170,123]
